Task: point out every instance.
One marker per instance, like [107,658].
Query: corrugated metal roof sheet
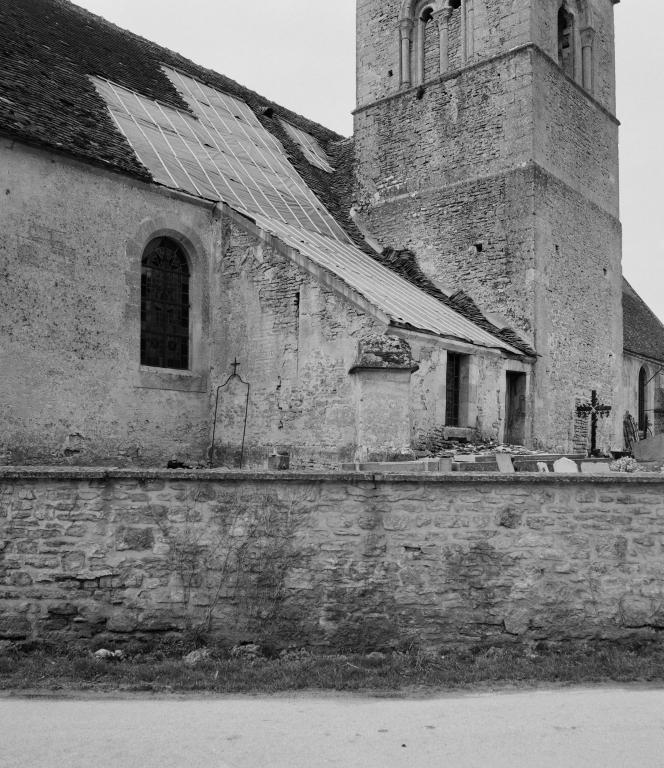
[402,302]
[311,149]
[222,152]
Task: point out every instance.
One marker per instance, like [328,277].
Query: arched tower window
[425,44]
[566,53]
[165,305]
[643,392]
[424,33]
[429,55]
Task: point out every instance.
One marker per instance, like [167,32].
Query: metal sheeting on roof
[311,149]
[402,302]
[222,152]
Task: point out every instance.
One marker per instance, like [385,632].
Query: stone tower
[487,143]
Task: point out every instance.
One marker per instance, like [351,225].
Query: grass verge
[55,668]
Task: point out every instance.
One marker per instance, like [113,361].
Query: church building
[193,273]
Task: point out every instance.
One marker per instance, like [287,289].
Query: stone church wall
[329,559]
[502,178]
[296,341]
[483,392]
[70,383]
[579,331]
[654,399]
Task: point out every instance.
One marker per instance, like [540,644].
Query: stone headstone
[595,468]
[565,466]
[651,449]
[445,464]
[542,466]
[504,461]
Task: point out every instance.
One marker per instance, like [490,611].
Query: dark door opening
[643,389]
[515,409]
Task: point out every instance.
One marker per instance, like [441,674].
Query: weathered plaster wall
[296,341]
[483,390]
[336,560]
[70,382]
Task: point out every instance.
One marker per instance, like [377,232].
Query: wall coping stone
[224,475]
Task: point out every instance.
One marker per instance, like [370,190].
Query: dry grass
[54,668]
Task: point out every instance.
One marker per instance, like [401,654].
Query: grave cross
[595,410]
[235,365]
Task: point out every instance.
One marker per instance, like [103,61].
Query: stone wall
[502,178]
[296,340]
[330,559]
[496,28]
[71,385]
[73,388]
[654,400]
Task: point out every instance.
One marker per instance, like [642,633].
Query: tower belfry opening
[566,41]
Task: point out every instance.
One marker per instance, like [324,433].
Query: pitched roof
[643,332]
[73,82]
[48,50]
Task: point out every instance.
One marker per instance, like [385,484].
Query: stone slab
[565,466]
[387,467]
[595,468]
[651,449]
[504,461]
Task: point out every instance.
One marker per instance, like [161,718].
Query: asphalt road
[572,728]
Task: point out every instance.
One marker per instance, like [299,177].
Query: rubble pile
[436,445]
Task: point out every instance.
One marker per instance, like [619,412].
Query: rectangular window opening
[453,389]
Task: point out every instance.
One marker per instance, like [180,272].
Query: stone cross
[595,410]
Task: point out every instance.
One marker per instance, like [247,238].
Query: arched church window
[566,40]
[165,305]
[643,391]
[426,48]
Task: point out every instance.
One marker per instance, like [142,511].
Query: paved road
[602,728]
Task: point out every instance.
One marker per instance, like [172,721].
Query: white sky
[301,54]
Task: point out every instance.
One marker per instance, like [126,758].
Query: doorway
[515,409]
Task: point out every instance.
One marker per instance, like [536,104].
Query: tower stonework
[486,142]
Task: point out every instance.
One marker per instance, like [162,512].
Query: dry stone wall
[329,559]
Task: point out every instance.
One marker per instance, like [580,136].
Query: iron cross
[595,410]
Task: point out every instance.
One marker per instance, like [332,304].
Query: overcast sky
[301,54]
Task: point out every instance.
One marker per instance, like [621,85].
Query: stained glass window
[165,306]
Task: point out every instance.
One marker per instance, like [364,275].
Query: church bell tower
[486,142]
